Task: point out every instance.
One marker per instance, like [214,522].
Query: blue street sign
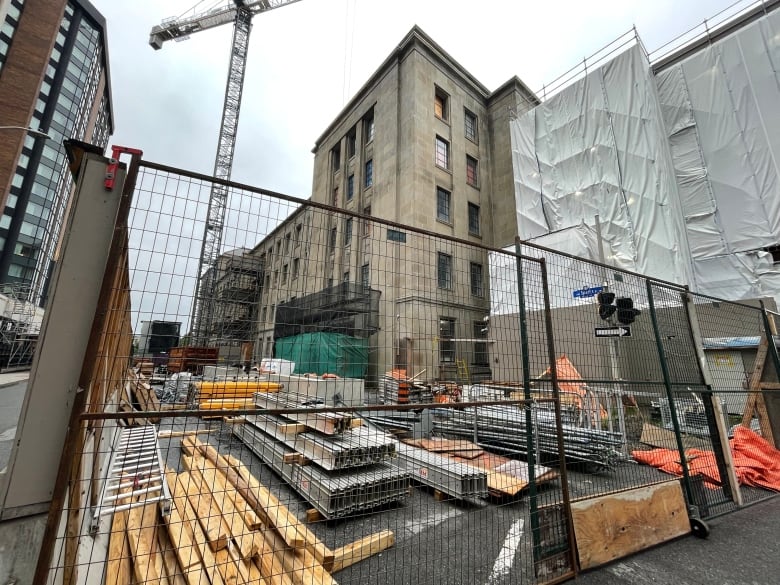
[587,292]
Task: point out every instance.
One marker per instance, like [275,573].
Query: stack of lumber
[232,394]
[138,395]
[225,527]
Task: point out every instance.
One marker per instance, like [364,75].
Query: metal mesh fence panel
[326,415]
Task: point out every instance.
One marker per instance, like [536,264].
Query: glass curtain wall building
[72,101]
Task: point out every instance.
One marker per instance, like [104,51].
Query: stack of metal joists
[358,447]
[340,467]
[504,428]
[458,480]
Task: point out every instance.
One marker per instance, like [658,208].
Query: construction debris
[443,473]
[138,395]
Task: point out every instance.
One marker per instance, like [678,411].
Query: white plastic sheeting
[599,148]
[721,108]
[681,166]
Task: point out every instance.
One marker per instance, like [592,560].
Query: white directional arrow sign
[623,331]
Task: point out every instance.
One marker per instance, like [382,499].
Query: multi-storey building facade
[54,78]
[424,144]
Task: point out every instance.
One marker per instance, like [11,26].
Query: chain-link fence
[339,398]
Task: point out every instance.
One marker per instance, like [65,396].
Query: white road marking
[417,525]
[8,435]
[506,557]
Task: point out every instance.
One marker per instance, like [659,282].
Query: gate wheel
[699,528]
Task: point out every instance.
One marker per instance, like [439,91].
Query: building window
[350,187]
[276,277]
[346,276]
[336,158]
[473,219]
[347,231]
[446,339]
[332,243]
[444,270]
[351,143]
[284,274]
[443,199]
[364,275]
[472,171]
[287,241]
[442,153]
[367,222]
[329,283]
[263,314]
[476,279]
[298,233]
[441,105]
[396,236]
[368,127]
[369,173]
[296,266]
[335,201]
[480,347]
[472,130]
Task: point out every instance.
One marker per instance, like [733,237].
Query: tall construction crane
[240,13]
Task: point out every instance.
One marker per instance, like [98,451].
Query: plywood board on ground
[614,526]
[665,439]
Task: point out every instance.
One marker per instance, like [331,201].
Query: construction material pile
[340,467]
[137,395]
[223,527]
[398,388]
[227,394]
[505,477]
[503,428]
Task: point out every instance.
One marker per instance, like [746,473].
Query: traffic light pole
[614,348]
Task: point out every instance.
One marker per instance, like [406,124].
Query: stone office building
[422,143]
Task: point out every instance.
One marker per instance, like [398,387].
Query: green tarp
[325,353]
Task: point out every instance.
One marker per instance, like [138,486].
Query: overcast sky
[307,59]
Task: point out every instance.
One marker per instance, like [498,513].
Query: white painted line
[8,435]
[506,556]
[417,525]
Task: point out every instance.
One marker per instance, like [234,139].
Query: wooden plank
[362,549]
[185,548]
[613,526]
[237,529]
[174,573]
[728,458]
[299,563]
[182,503]
[292,428]
[141,526]
[269,560]
[310,541]
[227,568]
[262,501]
[251,519]
[313,515]
[118,566]
[207,511]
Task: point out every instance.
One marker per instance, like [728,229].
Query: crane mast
[239,12]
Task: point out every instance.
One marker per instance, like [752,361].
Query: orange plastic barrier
[756,462]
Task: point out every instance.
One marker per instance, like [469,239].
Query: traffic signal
[606,308]
[626,313]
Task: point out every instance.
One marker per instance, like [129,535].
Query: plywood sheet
[614,526]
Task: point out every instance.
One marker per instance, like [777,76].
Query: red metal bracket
[113,164]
